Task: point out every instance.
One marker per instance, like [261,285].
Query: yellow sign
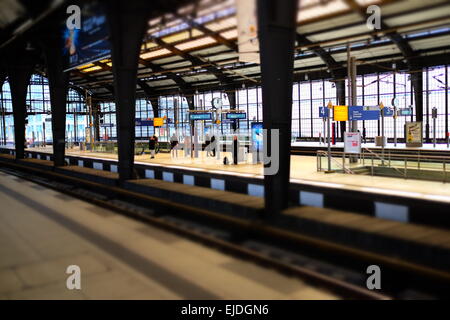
[340,113]
[158,122]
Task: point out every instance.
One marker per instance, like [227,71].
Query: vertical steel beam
[232,99]
[20,67]
[2,107]
[340,94]
[58,82]
[127,24]
[446,100]
[276,32]
[417,84]
[155,106]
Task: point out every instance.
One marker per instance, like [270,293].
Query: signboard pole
[434,114]
[324,130]
[330,106]
[353,93]
[434,132]
[395,126]
[382,133]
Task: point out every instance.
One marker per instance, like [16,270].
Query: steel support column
[2,107]
[190,102]
[340,95]
[20,67]
[276,32]
[232,100]
[127,24]
[58,82]
[417,84]
[155,106]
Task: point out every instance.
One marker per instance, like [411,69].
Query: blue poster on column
[90,42]
[257,135]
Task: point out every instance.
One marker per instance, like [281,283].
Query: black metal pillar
[190,102]
[2,107]
[417,84]
[58,82]
[276,33]
[20,67]
[127,23]
[232,100]
[340,95]
[96,121]
[155,106]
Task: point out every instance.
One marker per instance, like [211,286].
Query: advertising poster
[91,41]
[352,142]
[257,135]
[87,134]
[413,134]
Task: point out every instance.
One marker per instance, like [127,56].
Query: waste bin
[380,141]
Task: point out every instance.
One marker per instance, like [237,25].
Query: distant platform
[410,200]
[303,170]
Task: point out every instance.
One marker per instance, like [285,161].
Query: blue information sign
[200,116]
[235,115]
[139,122]
[363,113]
[323,112]
[405,112]
[388,112]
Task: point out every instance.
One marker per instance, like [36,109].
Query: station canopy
[197,46]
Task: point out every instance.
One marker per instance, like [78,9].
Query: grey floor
[42,232]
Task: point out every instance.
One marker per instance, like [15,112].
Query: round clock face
[395,102]
[217,103]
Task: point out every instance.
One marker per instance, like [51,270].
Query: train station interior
[224,149]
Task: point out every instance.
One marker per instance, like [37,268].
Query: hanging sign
[200,116]
[235,115]
[247,31]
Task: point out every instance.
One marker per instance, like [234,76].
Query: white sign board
[247,31]
[352,142]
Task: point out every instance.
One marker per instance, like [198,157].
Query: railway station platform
[43,231]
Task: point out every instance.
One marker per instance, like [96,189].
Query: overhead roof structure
[196,47]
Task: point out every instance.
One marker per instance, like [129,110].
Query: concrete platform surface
[43,231]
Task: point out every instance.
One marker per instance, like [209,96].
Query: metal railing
[407,165]
[341,166]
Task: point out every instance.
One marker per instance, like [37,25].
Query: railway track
[340,269]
